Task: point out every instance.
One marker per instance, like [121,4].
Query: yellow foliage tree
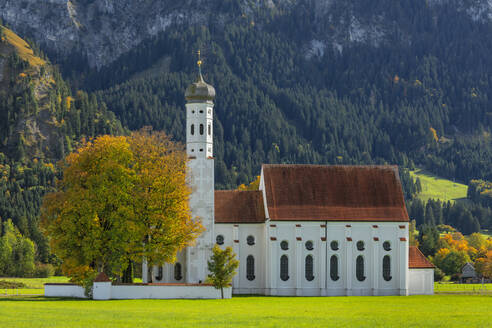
[254,185]
[120,199]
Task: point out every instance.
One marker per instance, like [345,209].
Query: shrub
[11,284]
[438,274]
[44,270]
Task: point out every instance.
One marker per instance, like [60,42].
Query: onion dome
[199,91]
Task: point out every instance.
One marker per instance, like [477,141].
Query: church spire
[200,91]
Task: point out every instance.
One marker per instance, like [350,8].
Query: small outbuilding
[468,274]
[420,273]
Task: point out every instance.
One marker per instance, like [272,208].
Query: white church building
[310,230]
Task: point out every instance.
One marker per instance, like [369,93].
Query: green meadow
[392,311]
[465,305]
[434,187]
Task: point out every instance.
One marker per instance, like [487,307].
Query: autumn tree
[222,267]
[121,199]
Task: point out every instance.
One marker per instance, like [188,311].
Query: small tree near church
[222,267]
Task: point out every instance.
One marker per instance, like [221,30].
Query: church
[310,230]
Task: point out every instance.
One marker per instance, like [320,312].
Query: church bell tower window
[193,129]
[201,129]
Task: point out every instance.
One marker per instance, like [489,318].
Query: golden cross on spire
[199,62]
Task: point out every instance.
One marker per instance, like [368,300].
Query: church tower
[199,148]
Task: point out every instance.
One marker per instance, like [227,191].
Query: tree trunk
[128,274]
[222,292]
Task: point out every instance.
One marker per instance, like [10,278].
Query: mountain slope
[40,121]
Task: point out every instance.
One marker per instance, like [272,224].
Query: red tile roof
[417,260]
[233,206]
[334,193]
[102,277]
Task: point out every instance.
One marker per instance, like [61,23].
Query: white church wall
[421,282]
[285,233]
[257,284]
[335,232]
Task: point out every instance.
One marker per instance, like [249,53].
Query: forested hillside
[40,122]
[419,96]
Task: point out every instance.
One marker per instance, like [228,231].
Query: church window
[192,112]
[159,273]
[359,268]
[284,268]
[334,245]
[201,129]
[250,268]
[177,271]
[387,268]
[193,129]
[201,112]
[309,245]
[201,149]
[209,130]
[219,239]
[387,246]
[250,240]
[309,268]
[284,245]
[360,245]
[334,268]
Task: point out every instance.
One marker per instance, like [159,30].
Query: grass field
[446,288]
[434,187]
[393,311]
[23,49]
[33,283]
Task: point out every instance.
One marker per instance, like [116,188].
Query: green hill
[434,187]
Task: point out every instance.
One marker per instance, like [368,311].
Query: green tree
[222,267]
[428,239]
[454,262]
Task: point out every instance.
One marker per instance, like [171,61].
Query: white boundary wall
[106,291]
[421,282]
[64,290]
[167,292]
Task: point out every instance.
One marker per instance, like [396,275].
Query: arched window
[334,245]
[309,268]
[359,268]
[387,268]
[219,239]
[193,129]
[250,268]
[284,245]
[201,129]
[177,271]
[334,268]
[360,245]
[387,246]
[159,273]
[309,245]
[250,240]
[284,268]
[209,130]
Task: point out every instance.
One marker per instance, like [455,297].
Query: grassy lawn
[36,283]
[462,288]
[393,311]
[434,187]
